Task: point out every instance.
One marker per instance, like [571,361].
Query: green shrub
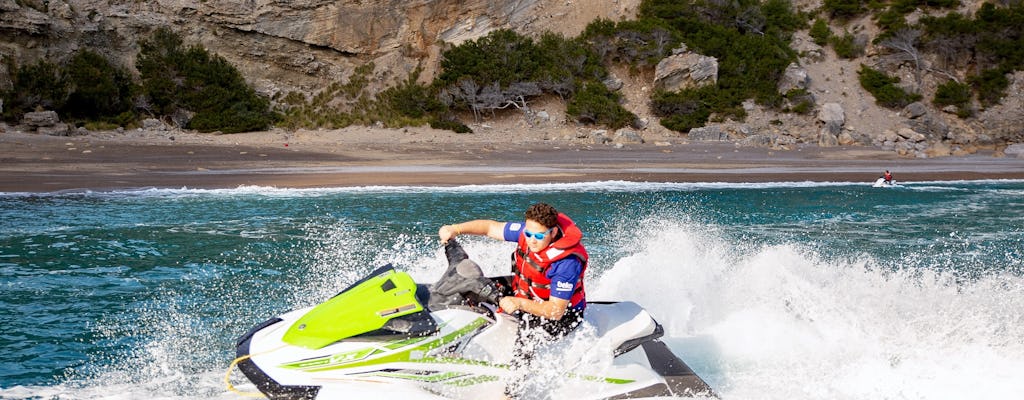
[450,124]
[884,88]
[338,105]
[820,32]
[502,56]
[989,41]
[100,126]
[504,69]
[953,93]
[596,104]
[845,9]
[847,46]
[749,39]
[174,78]
[99,91]
[683,110]
[637,43]
[801,101]
[990,85]
[41,85]
[891,20]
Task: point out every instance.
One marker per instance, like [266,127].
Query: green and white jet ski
[388,336]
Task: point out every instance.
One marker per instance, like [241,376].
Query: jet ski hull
[388,335]
[643,366]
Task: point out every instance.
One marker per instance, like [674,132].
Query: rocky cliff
[302,45]
[286,45]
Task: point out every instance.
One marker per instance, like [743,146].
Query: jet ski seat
[621,325]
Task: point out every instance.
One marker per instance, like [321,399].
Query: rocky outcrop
[708,133]
[281,46]
[304,45]
[686,70]
[833,117]
[45,123]
[794,78]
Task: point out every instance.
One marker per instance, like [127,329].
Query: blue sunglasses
[536,235]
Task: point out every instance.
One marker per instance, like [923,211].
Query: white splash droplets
[780,322]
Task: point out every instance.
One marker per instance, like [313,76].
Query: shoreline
[381,157]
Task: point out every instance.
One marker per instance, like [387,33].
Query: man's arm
[485,227]
[553,308]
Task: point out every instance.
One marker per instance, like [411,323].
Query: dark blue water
[770,290]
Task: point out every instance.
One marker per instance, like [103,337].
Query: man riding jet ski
[388,335]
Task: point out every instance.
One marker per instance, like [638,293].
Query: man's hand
[446,233]
[509,304]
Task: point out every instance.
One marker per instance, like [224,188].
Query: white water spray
[778,322]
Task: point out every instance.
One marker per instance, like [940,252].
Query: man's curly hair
[544,214]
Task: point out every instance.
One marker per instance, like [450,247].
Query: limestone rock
[613,83]
[911,136]
[915,110]
[707,133]
[151,124]
[828,140]
[795,77]
[686,70]
[757,140]
[627,136]
[15,17]
[58,129]
[37,119]
[846,139]
[832,113]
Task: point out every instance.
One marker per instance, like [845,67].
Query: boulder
[757,140]
[707,133]
[907,134]
[915,110]
[613,83]
[627,136]
[795,77]
[846,139]
[828,140]
[37,119]
[642,123]
[931,126]
[152,124]
[832,113]
[58,129]
[686,70]
[889,136]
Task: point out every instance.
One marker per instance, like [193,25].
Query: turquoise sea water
[768,291]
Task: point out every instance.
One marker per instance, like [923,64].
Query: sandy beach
[360,156]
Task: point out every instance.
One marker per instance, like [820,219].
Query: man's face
[534,227]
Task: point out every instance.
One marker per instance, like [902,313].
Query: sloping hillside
[304,46]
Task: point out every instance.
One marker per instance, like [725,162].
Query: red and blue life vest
[530,278]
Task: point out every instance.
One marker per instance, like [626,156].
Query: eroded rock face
[686,70]
[284,45]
